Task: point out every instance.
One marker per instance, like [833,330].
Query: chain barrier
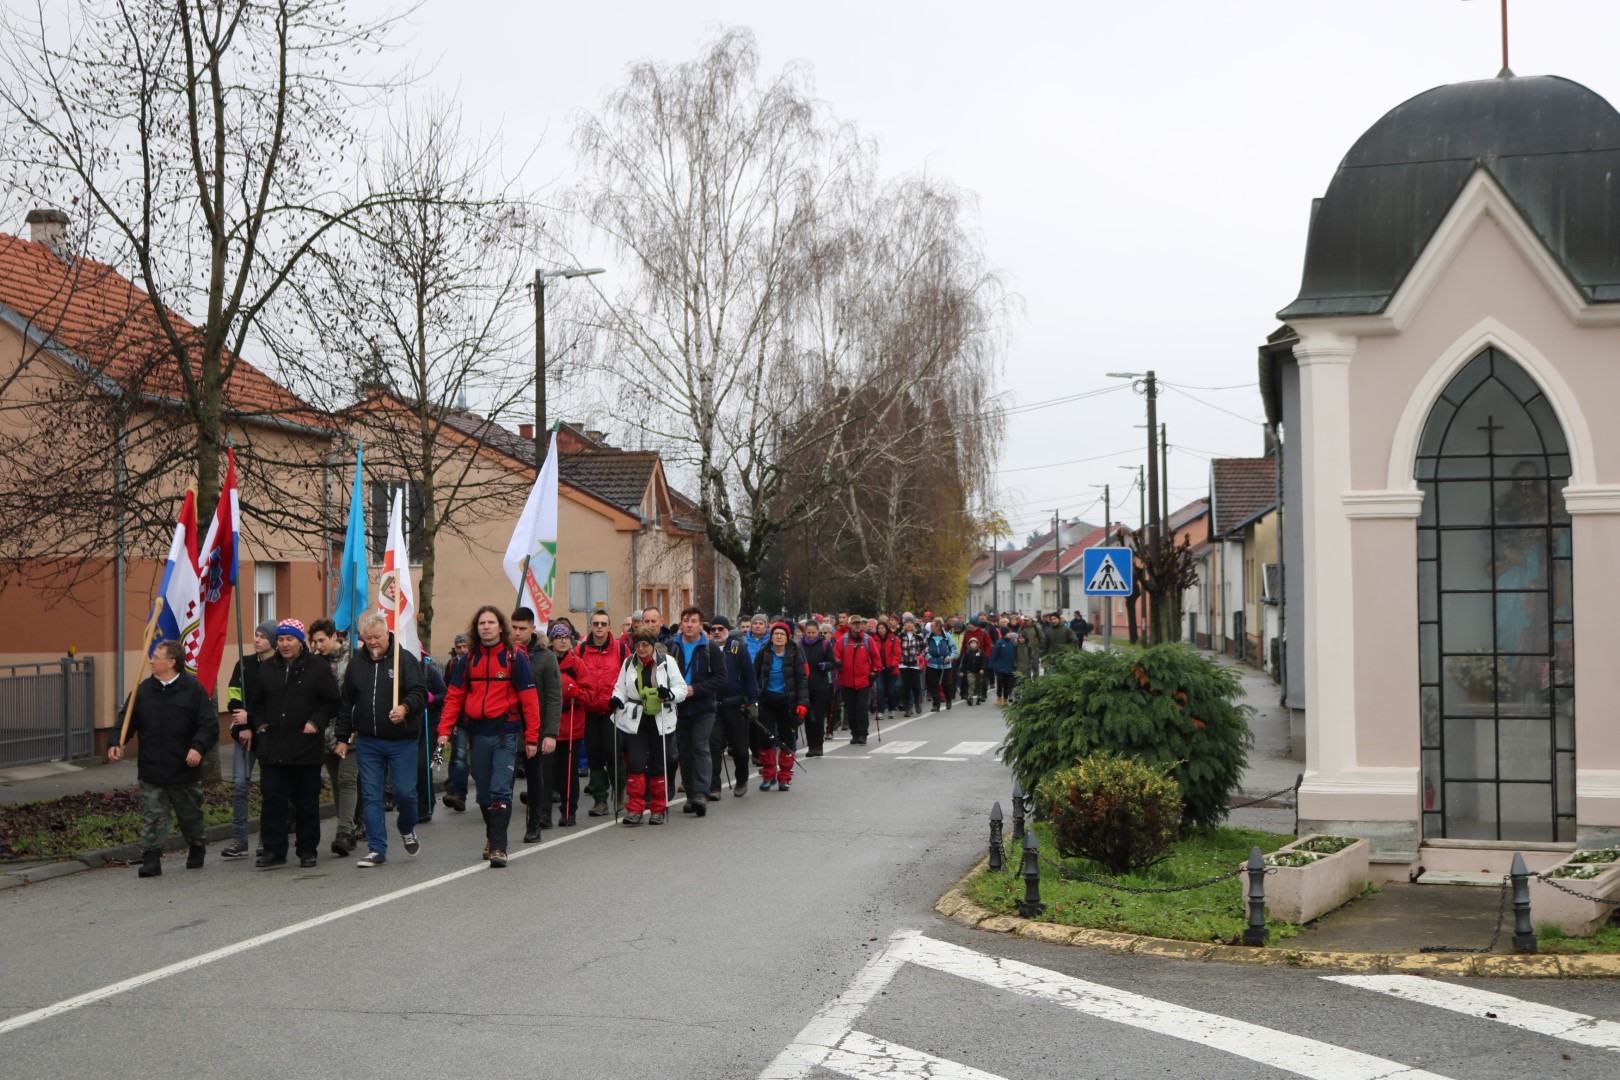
[1075,875]
[1501,915]
[1264,798]
[1555,883]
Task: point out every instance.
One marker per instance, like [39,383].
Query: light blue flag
[353,588]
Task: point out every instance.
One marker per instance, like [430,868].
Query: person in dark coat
[731,723]
[243,679]
[175,721]
[784,703]
[387,737]
[822,659]
[536,794]
[294,697]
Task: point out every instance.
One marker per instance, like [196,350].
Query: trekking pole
[879,718]
[776,743]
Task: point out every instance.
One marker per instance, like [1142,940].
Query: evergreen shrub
[1115,811]
[1165,705]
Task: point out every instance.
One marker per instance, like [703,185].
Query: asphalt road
[725,947]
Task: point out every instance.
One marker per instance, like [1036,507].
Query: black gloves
[615,705]
[664,694]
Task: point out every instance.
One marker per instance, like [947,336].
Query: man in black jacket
[536,794]
[387,736]
[731,714]
[174,716]
[294,697]
[704,667]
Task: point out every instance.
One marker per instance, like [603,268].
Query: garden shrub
[1117,812]
[1165,705]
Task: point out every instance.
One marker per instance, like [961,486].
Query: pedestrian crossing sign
[1107,571]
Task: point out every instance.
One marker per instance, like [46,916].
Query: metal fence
[46,711]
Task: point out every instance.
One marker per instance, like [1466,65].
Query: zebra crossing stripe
[972,749]
[1484,1004]
[864,1057]
[900,746]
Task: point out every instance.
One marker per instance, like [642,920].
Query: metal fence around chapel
[46,711]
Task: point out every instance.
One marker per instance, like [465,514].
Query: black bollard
[1030,907]
[1018,812]
[1524,935]
[1255,932]
[995,838]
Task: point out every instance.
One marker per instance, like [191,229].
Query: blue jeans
[456,783]
[396,758]
[692,747]
[242,760]
[493,758]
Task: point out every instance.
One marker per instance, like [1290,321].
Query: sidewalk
[53,779]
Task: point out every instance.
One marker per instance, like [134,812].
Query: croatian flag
[216,574]
[181,617]
[396,598]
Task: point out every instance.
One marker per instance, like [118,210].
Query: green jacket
[1026,660]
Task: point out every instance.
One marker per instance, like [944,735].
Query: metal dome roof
[1551,144]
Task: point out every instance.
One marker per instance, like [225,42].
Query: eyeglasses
[601,624]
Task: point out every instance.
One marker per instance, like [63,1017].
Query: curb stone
[956,906]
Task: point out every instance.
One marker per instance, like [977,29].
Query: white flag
[534,544]
[396,597]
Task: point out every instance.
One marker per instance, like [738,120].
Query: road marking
[823,1039]
[79,1001]
[865,1057]
[972,749]
[925,757]
[900,747]
[1484,1004]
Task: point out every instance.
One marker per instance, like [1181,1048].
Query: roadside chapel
[1458,374]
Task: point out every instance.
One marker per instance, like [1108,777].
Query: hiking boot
[236,849]
[947,705]
[567,822]
[714,796]
[656,818]
[599,808]
[307,862]
[935,708]
[523,797]
[270,862]
[782,788]
[766,785]
[455,802]
[195,856]
[151,864]
[486,851]
[497,859]
[372,859]
[531,835]
[700,808]
[342,844]
[689,808]
[739,789]
[631,819]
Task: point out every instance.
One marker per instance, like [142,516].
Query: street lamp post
[540,277]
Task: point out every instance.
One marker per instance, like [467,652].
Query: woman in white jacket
[644,699]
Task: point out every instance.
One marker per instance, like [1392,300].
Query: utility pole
[1057,561]
[539,369]
[1164,471]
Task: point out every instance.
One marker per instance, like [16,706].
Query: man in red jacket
[493,695]
[601,655]
[859,661]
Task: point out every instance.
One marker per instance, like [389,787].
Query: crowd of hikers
[624,718]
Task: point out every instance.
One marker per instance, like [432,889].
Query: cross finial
[1490,427]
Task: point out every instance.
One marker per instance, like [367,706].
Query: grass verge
[1550,939]
[1216,913]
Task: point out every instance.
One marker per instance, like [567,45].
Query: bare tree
[425,304]
[202,147]
[781,312]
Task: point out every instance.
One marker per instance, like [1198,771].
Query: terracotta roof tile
[91,311]
[1242,490]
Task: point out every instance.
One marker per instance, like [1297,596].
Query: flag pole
[395,635]
[140,671]
[523,579]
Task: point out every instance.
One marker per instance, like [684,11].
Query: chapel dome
[1551,144]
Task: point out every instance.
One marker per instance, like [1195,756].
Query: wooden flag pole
[140,671]
[395,635]
[523,579]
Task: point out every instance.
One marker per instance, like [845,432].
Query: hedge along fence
[1166,706]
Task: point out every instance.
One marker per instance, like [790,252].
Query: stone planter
[1574,915]
[1298,894]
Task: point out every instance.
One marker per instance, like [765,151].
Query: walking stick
[140,671]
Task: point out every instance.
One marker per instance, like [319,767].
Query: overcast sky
[1144,169]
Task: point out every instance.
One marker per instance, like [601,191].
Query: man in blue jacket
[731,728]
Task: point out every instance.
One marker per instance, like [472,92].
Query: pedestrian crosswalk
[909,750]
[847,1036]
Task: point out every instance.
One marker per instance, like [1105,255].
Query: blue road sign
[1107,571]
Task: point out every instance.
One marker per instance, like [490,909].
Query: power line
[1184,386]
[1076,461]
[1018,410]
[1217,408]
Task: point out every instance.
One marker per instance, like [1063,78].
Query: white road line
[925,757]
[972,749]
[864,1057]
[834,1020]
[900,747]
[1484,1004]
[67,1005]
[1279,1049]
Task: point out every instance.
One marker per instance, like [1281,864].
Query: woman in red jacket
[600,657]
[886,679]
[562,767]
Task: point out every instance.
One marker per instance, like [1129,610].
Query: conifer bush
[1116,811]
[1166,705]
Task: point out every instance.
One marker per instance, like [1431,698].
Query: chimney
[596,436]
[526,431]
[48,227]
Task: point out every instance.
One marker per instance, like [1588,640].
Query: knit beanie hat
[293,627]
[559,629]
[267,630]
[786,628]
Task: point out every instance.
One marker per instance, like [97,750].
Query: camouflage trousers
[159,801]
